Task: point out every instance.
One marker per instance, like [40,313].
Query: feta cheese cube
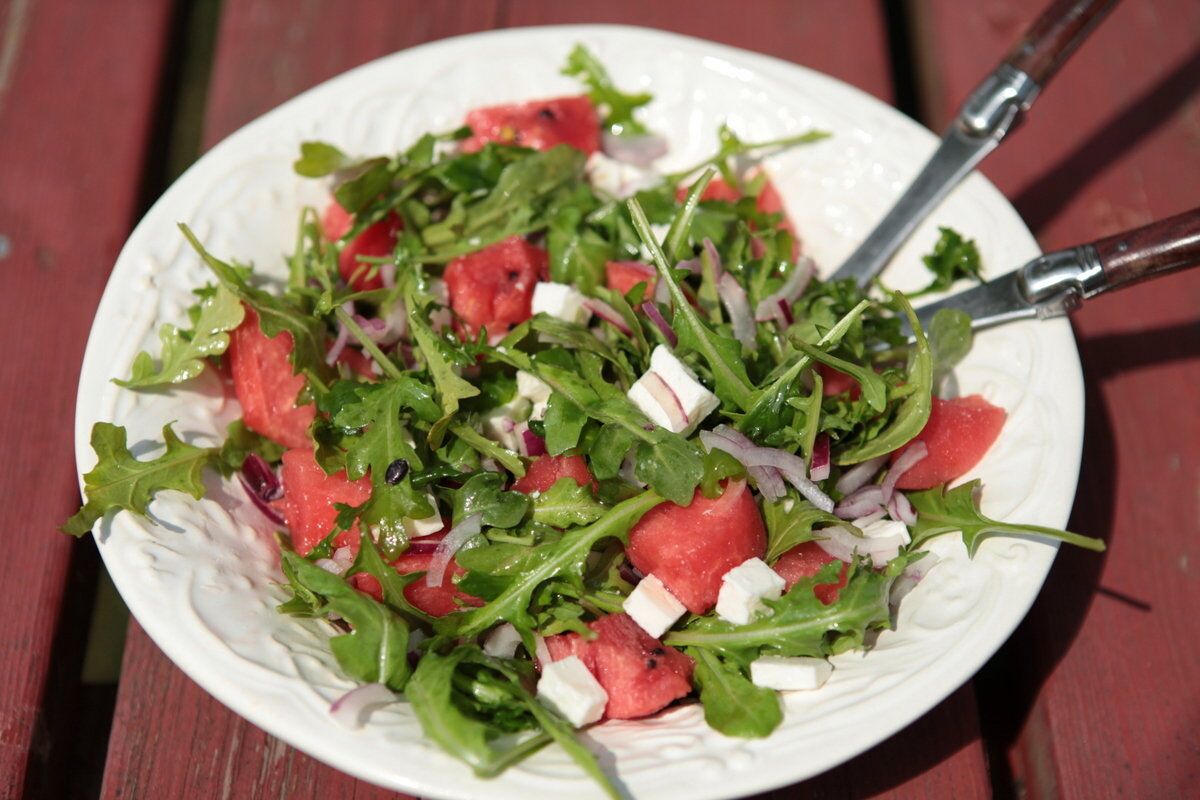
[653,607]
[559,300]
[416,528]
[502,642]
[501,428]
[568,687]
[619,179]
[743,589]
[694,402]
[535,391]
[790,674]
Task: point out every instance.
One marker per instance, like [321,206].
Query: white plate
[202,581]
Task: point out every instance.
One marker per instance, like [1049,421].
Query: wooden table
[102,103]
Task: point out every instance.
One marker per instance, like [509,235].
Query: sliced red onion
[790,466]
[387,274]
[819,470]
[874,516]
[714,257]
[261,486]
[862,501]
[651,310]
[769,481]
[353,708]
[630,574]
[901,509]
[423,546]
[534,444]
[344,557]
[540,651]
[343,338]
[733,297]
[915,452]
[329,565]
[607,313]
[785,312]
[912,575]
[662,294]
[667,400]
[840,543]
[859,475]
[448,546]
[769,307]
[639,150]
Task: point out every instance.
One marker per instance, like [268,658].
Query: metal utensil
[1055,283]
[989,113]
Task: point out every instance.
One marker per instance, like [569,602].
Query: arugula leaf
[370,562]
[874,389]
[942,510]
[550,560]
[609,449]
[730,145]
[183,352]
[120,481]
[722,353]
[484,494]
[914,408]
[377,649]
[952,258]
[671,465]
[564,423]
[318,159]
[950,339]
[799,624]
[790,521]
[489,449]
[732,704]
[577,253]
[451,388]
[567,504]
[275,315]
[240,442]
[617,106]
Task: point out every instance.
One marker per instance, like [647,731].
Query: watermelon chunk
[308,498]
[540,124]
[769,202]
[376,241]
[835,382]
[806,560]
[266,386]
[640,674]
[958,435]
[622,276]
[691,548]
[436,601]
[493,288]
[544,471]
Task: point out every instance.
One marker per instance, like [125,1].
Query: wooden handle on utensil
[1165,246]
[1054,36]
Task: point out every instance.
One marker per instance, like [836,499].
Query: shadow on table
[1009,685]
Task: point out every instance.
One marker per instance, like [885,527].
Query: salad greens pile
[548,563]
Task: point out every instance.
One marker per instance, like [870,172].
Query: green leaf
[799,624]
[617,106]
[950,339]
[732,704]
[240,442]
[722,353]
[567,504]
[564,423]
[183,352]
[318,159]
[377,649]
[374,178]
[670,464]
[577,253]
[564,557]
[370,562]
[275,315]
[914,408]
[451,388]
[941,510]
[609,449]
[484,494]
[120,481]
[489,449]
[718,466]
[874,389]
[952,258]
[790,521]
[730,145]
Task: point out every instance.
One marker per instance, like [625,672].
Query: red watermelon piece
[266,386]
[806,560]
[958,435]
[493,288]
[540,124]
[640,674]
[376,241]
[545,471]
[691,548]
[308,498]
[769,202]
[436,601]
[622,276]
[835,382]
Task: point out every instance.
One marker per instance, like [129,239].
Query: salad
[550,437]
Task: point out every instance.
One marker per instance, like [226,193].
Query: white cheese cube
[743,589]
[653,607]
[502,642]
[568,687]
[559,300]
[619,179]
[416,528]
[501,428]
[535,391]
[691,401]
[790,674]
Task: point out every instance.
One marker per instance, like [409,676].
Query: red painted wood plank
[268,51]
[1100,691]
[77,94]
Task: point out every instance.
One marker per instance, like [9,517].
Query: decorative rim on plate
[201,582]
